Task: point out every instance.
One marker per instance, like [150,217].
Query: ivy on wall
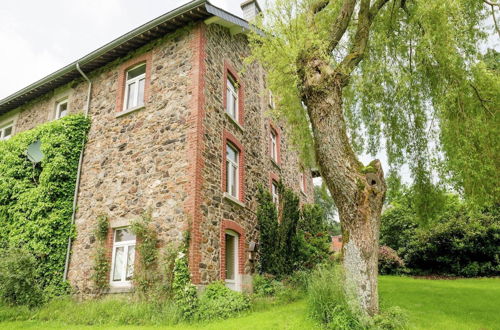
[36,200]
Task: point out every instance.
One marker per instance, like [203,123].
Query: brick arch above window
[235,227]
[145,58]
[230,72]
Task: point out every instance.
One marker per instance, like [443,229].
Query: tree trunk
[358,191]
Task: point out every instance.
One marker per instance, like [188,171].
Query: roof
[154,29]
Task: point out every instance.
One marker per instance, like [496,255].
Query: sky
[43,36]
[40,37]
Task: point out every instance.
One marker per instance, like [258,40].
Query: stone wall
[167,156]
[253,135]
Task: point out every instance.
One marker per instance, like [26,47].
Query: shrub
[298,241]
[219,302]
[462,245]
[389,262]
[185,293]
[393,318]
[18,281]
[265,285]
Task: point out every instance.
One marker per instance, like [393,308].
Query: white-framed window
[61,108]
[231,256]
[275,193]
[122,269]
[232,98]
[302,182]
[6,131]
[232,170]
[134,87]
[274,145]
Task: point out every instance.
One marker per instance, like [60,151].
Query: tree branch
[495,19]
[366,15]
[341,23]
[491,3]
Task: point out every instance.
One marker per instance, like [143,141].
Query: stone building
[178,128]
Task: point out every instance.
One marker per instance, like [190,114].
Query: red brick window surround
[129,65]
[233,87]
[231,143]
[231,226]
[275,143]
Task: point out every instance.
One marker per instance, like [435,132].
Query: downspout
[78,173]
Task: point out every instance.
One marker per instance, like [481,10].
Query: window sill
[234,121]
[234,200]
[126,112]
[275,163]
[121,289]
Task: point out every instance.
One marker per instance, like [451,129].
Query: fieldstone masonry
[167,157]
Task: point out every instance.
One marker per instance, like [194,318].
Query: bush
[18,281]
[461,245]
[389,263]
[265,285]
[219,302]
[391,319]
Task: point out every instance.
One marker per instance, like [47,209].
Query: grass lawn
[430,304]
[445,304]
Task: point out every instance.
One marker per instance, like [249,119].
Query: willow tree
[353,75]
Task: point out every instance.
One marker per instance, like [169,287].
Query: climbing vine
[101,261]
[36,199]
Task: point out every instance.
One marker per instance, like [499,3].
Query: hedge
[36,201]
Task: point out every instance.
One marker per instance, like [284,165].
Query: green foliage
[185,293]
[219,302]
[265,285]
[389,263]
[327,301]
[463,245]
[423,92]
[461,239]
[146,274]
[101,262]
[324,201]
[110,311]
[299,240]
[392,318]
[18,282]
[36,201]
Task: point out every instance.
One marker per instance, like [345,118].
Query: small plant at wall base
[185,294]
[146,274]
[36,202]
[101,260]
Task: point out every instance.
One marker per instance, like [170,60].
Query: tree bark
[358,191]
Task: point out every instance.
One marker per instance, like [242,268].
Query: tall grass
[109,310]
[327,300]
[329,304]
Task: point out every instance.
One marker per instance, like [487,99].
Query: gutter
[78,173]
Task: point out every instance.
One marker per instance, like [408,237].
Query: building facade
[178,127]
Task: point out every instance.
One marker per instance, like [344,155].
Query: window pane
[140,99]
[136,72]
[131,95]
[7,132]
[63,109]
[123,235]
[230,256]
[118,266]
[232,154]
[130,262]
[234,181]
